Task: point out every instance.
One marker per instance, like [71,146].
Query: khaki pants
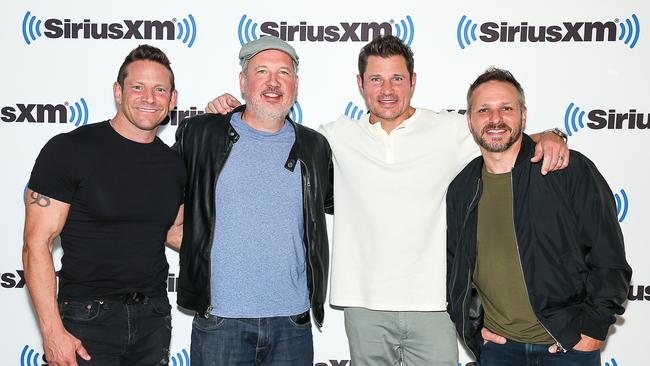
[400,338]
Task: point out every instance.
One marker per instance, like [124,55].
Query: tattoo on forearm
[40,199]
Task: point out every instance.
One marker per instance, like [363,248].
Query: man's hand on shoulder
[222,104]
[61,348]
[553,149]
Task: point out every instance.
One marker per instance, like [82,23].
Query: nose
[495,115]
[148,95]
[272,79]
[386,87]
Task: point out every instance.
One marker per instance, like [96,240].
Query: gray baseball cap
[250,49]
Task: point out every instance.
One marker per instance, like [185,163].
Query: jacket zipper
[469,272]
[208,310]
[521,267]
[305,202]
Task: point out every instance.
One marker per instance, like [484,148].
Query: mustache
[272,89]
[496,126]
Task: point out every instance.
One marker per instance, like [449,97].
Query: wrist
[558,132]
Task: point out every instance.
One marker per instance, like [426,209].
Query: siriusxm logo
[76,113]
[353,112]
[628,32]
[613,363]
[334,363]
[30,357]
[621,205]
[639,293]
[13,279]
[183,30]
[601,118]
[341,32]
[296,113]
[181,358]
[178,115]
[172,282]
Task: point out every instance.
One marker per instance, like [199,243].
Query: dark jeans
[524,354]
[120,333]
[277,341]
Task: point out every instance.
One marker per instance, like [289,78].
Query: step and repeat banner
[583,64]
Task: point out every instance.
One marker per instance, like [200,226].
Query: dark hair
[386,46]
[496,74]
[148,53]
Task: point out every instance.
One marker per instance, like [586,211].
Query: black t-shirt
[123,198]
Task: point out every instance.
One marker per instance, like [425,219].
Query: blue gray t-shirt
[258,255]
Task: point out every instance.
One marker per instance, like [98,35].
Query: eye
[481,110]
[161,90]
[261,71]
[375,79]
[398,78]
[137,87]
[507,108]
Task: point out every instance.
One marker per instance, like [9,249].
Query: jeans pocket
[82,311]
[160,305]
[301,320]
[213,322]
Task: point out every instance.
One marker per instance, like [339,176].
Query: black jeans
[120,332]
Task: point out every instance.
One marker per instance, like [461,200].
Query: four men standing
[254,257]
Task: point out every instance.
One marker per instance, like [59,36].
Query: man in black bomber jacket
[254,257]
[536,267]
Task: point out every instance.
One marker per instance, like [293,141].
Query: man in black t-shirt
[112,191]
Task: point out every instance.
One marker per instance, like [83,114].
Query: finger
[538,154]
[224,105]
[552,348]
[210,108]
[232,101]
[81,351]
[551,157]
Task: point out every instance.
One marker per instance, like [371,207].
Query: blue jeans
[525,354]
[120,332]
[277,341]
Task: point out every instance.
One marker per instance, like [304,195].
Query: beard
[256,104]
[494,145]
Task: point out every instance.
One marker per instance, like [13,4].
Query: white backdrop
[588,75]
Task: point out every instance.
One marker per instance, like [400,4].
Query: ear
[172,100]
[360,83]
[242,79]
[117,93]
[523,118]
[413,78]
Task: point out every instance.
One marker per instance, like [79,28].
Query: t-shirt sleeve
[55,172]
[467,147]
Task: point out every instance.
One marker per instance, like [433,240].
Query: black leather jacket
[570,247]
[204,142]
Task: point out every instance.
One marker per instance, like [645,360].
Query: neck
[265,124]
[390,125]
[129,131]
[501,162]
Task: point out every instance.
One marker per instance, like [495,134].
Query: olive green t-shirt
[498,274]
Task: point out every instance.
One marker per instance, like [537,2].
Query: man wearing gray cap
[254,257]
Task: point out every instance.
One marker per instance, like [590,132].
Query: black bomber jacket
[570,248]
[204,142]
